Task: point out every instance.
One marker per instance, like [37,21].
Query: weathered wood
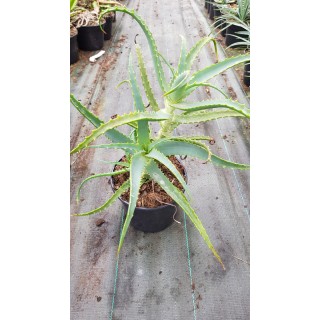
[153,279]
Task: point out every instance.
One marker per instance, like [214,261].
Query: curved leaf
[204,116]
[143,125]
[182,201]
[176,147]
[113,198]
[193,53]
[212,104]
[157,155]
[99,175]
[113,134]
[183,56]
[145,81]
[150,39]
[215,69]
[120,120]
[137,168]
[123,146]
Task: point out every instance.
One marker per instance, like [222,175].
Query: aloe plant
[239,16]
[144,151]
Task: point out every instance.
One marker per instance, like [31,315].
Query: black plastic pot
[217,12]
[230,38]
[90,38]
[74,51]
[211,13]
[108,28]
[246,75]
[224,29]
[150,220]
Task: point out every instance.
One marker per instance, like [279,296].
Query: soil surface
[151,195]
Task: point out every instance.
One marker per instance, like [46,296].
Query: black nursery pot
[246,75]
[108,28]
[211,13]
[230,38]
[74,51]
[90,38]
[150,220]
[224,29]
[216,11]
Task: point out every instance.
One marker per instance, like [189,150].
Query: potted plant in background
[90,36]
[234,20]
[215,13]
[148,169]
[109,17]
[74,50]
[244,41]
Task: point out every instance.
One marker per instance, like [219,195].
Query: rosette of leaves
[239,16]
[144,151]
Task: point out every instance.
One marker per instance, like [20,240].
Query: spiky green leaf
[113,134]
[145,80]
[120,120]
[204,116]
[143,131]
[137,169]
[113,198]
[213,104]
[193,53]
[157,155]
[152,45]
[182,201]
[174,146]
[99,175]
[183,56]
[215,69]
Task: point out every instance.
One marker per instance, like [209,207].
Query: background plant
[239,16]
[143,150]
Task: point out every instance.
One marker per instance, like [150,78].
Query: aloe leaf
[204,116]
[113,198]
[193,53]
[212,104]
[178,82]
[145,81]
[143,126]
[171,147]
[167,63]
[183,56]
[99,175]
[137,168]
[123,146]
[215,69]
[152,45]
[113,134]
[122,82]
[182,201]
[124,164]
[206,84]
[157,155]
[120,120]
[73,3]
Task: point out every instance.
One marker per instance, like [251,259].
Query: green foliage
[240,17]
[146,151]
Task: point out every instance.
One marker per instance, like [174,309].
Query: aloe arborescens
[145,151]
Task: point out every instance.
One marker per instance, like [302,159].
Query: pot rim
[145,208]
